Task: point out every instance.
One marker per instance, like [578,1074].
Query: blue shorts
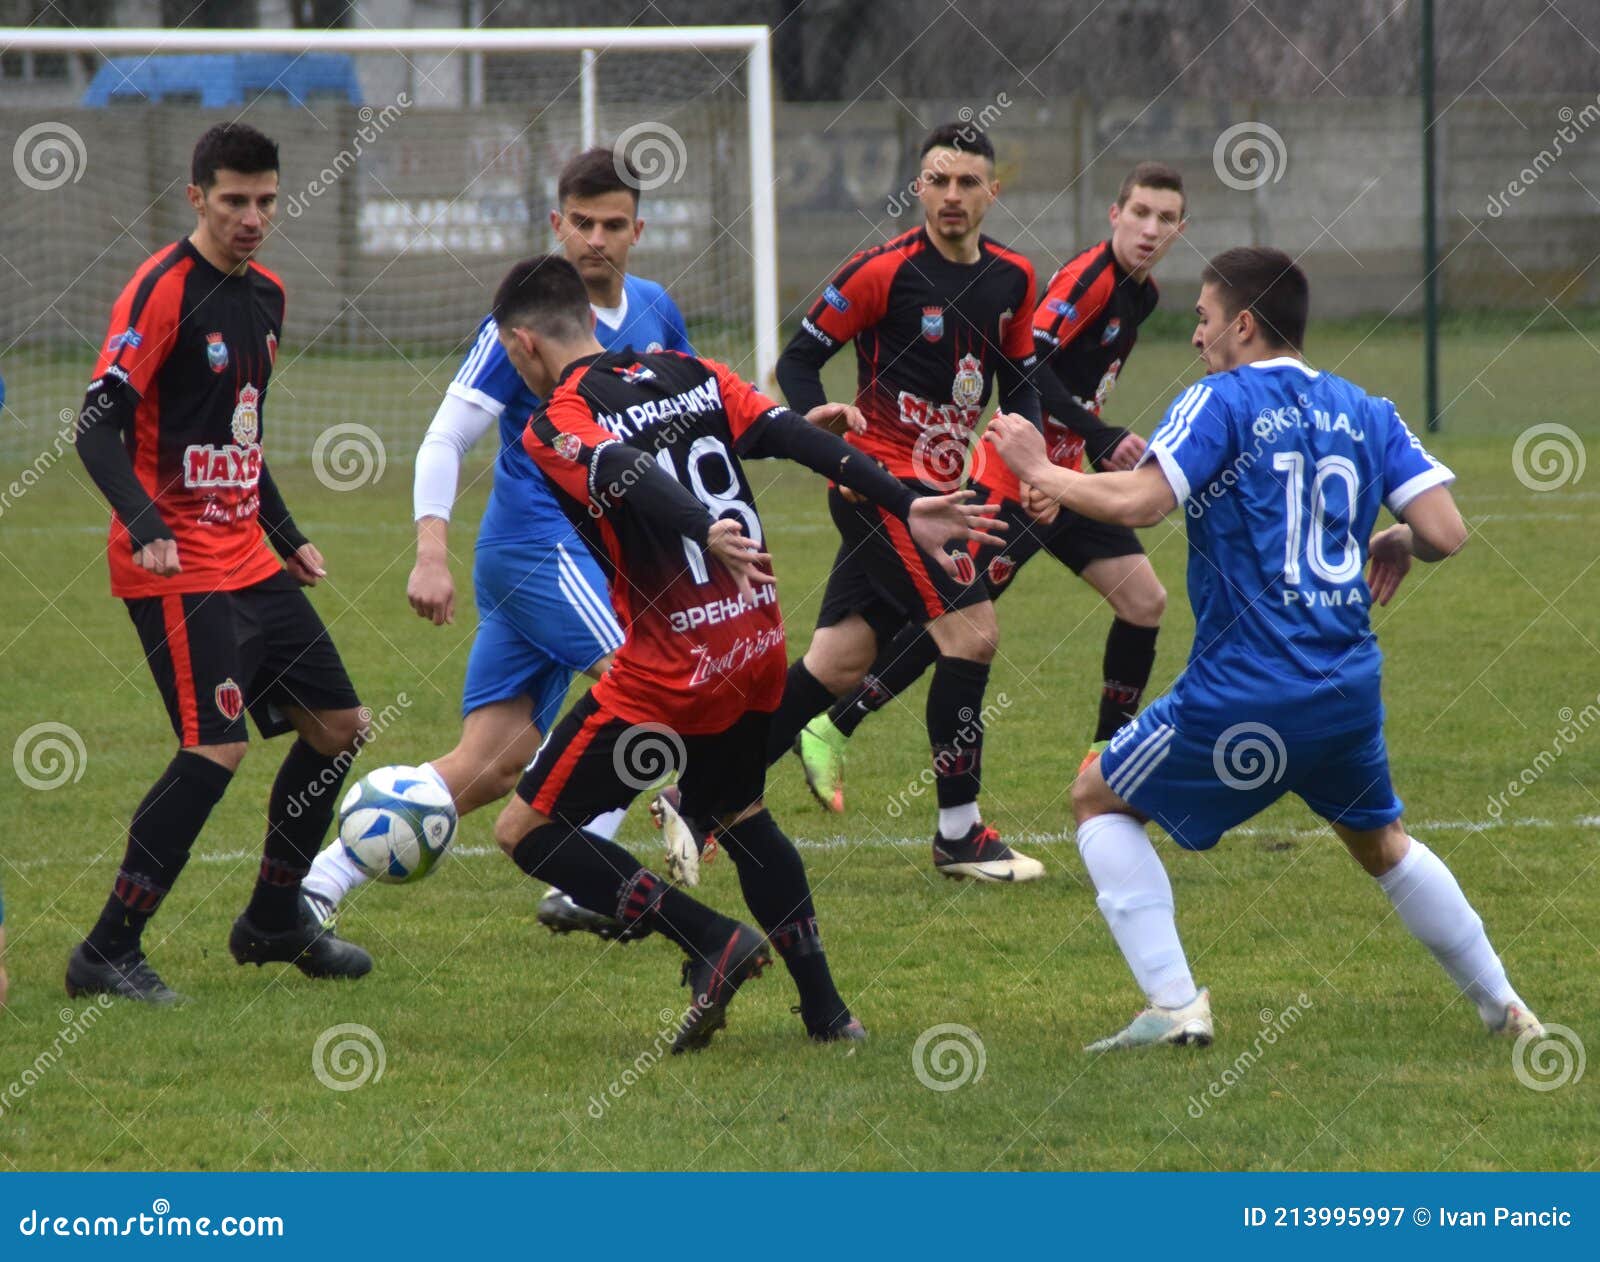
[543,616]
[1197,782]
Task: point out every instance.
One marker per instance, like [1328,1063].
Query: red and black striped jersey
[695,657]
[1084,329]
[929,336]
[196,346]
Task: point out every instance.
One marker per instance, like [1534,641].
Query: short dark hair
[234,147]
[1153,175]
[595,172]
[1268,284]
[544,294]
[962,137]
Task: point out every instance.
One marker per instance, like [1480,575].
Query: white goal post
[599,71]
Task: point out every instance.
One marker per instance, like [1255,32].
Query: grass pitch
[1340,1044]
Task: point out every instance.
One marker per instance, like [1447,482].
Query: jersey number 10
[1342,469]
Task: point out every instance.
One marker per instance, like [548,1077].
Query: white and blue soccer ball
[395,823]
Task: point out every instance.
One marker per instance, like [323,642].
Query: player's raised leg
[574,776]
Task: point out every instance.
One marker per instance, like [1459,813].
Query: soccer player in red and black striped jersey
[937,314]
[645,452]
[1084,330]
[171,432]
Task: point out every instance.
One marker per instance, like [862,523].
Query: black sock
[606,878]
[803,699]
[773,880]
[1130,655]
[299,811]
[955,728]
[900,664]
[160,837]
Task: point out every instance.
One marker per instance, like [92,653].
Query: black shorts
[216,655]
[1073,539]
[595,761]
[881,574]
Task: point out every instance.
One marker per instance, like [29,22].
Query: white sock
[955,822]
[1136,899]
[1432,906]
[333,874]
[605,826]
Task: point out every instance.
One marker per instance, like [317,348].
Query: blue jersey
[521,508]
[1281,471]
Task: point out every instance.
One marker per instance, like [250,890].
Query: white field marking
[840,842]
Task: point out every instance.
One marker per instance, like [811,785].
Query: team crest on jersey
[965,570]
[230,699]
[272,348]
[967,389]
[1063,308]
[933,323]
[216,352]
[568,446]
[634,373]
[129,337]
[1113,327]
[655,348]
[1001,569]
[247,417]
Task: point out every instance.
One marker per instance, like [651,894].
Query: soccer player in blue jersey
[543,610]
[1281,471]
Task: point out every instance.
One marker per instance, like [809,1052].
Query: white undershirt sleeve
[455,427]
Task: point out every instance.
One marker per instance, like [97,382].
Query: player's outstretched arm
[456,426]
[1139,497]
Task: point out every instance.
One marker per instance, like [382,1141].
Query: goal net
[415,167]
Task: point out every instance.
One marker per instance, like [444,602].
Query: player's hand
[838,418]
[432,592]
[1020,445]
[1388,562]
[159,557]
[1038,505]
[938,520]
[1125,455]
[305,565]
[741,556]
